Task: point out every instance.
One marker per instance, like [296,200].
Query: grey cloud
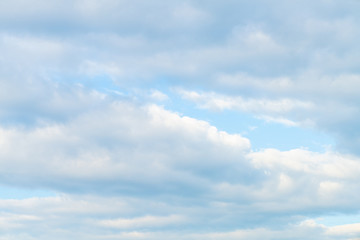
[177,30]
[74,218]
[147,41]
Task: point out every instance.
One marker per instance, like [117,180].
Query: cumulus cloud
[191,171]
[79,92]
[330,107]
[309,58]
[165,144]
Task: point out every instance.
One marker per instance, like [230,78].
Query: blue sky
[179,119]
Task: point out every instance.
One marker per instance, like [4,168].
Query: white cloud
[108,145]
[348,230]
[220,102]
[158,95]
[156,168]
[329,104]
[100,151]
[143,222]
[149,155]
[279,110]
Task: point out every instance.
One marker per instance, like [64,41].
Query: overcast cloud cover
[179,119]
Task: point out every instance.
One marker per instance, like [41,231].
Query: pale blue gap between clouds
[262,134]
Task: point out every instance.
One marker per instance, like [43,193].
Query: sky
[184,120]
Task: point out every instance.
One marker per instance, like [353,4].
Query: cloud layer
[135,169]
[89,111]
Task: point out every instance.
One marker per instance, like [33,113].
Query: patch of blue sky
[98,82]
[261,133]
[282,137]
[10,192]
[101,82]
[339,219]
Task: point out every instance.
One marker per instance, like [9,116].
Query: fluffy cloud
[172,172]
[285,103]
[108,144]
[310,58]
[77,118]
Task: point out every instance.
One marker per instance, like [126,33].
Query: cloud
[349,230]
[258,58]
[263,106]
[329,105]
[278,110]
[79,91]
[107,144]
[187,166]
[141,222]
[88,217]
[193,172]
